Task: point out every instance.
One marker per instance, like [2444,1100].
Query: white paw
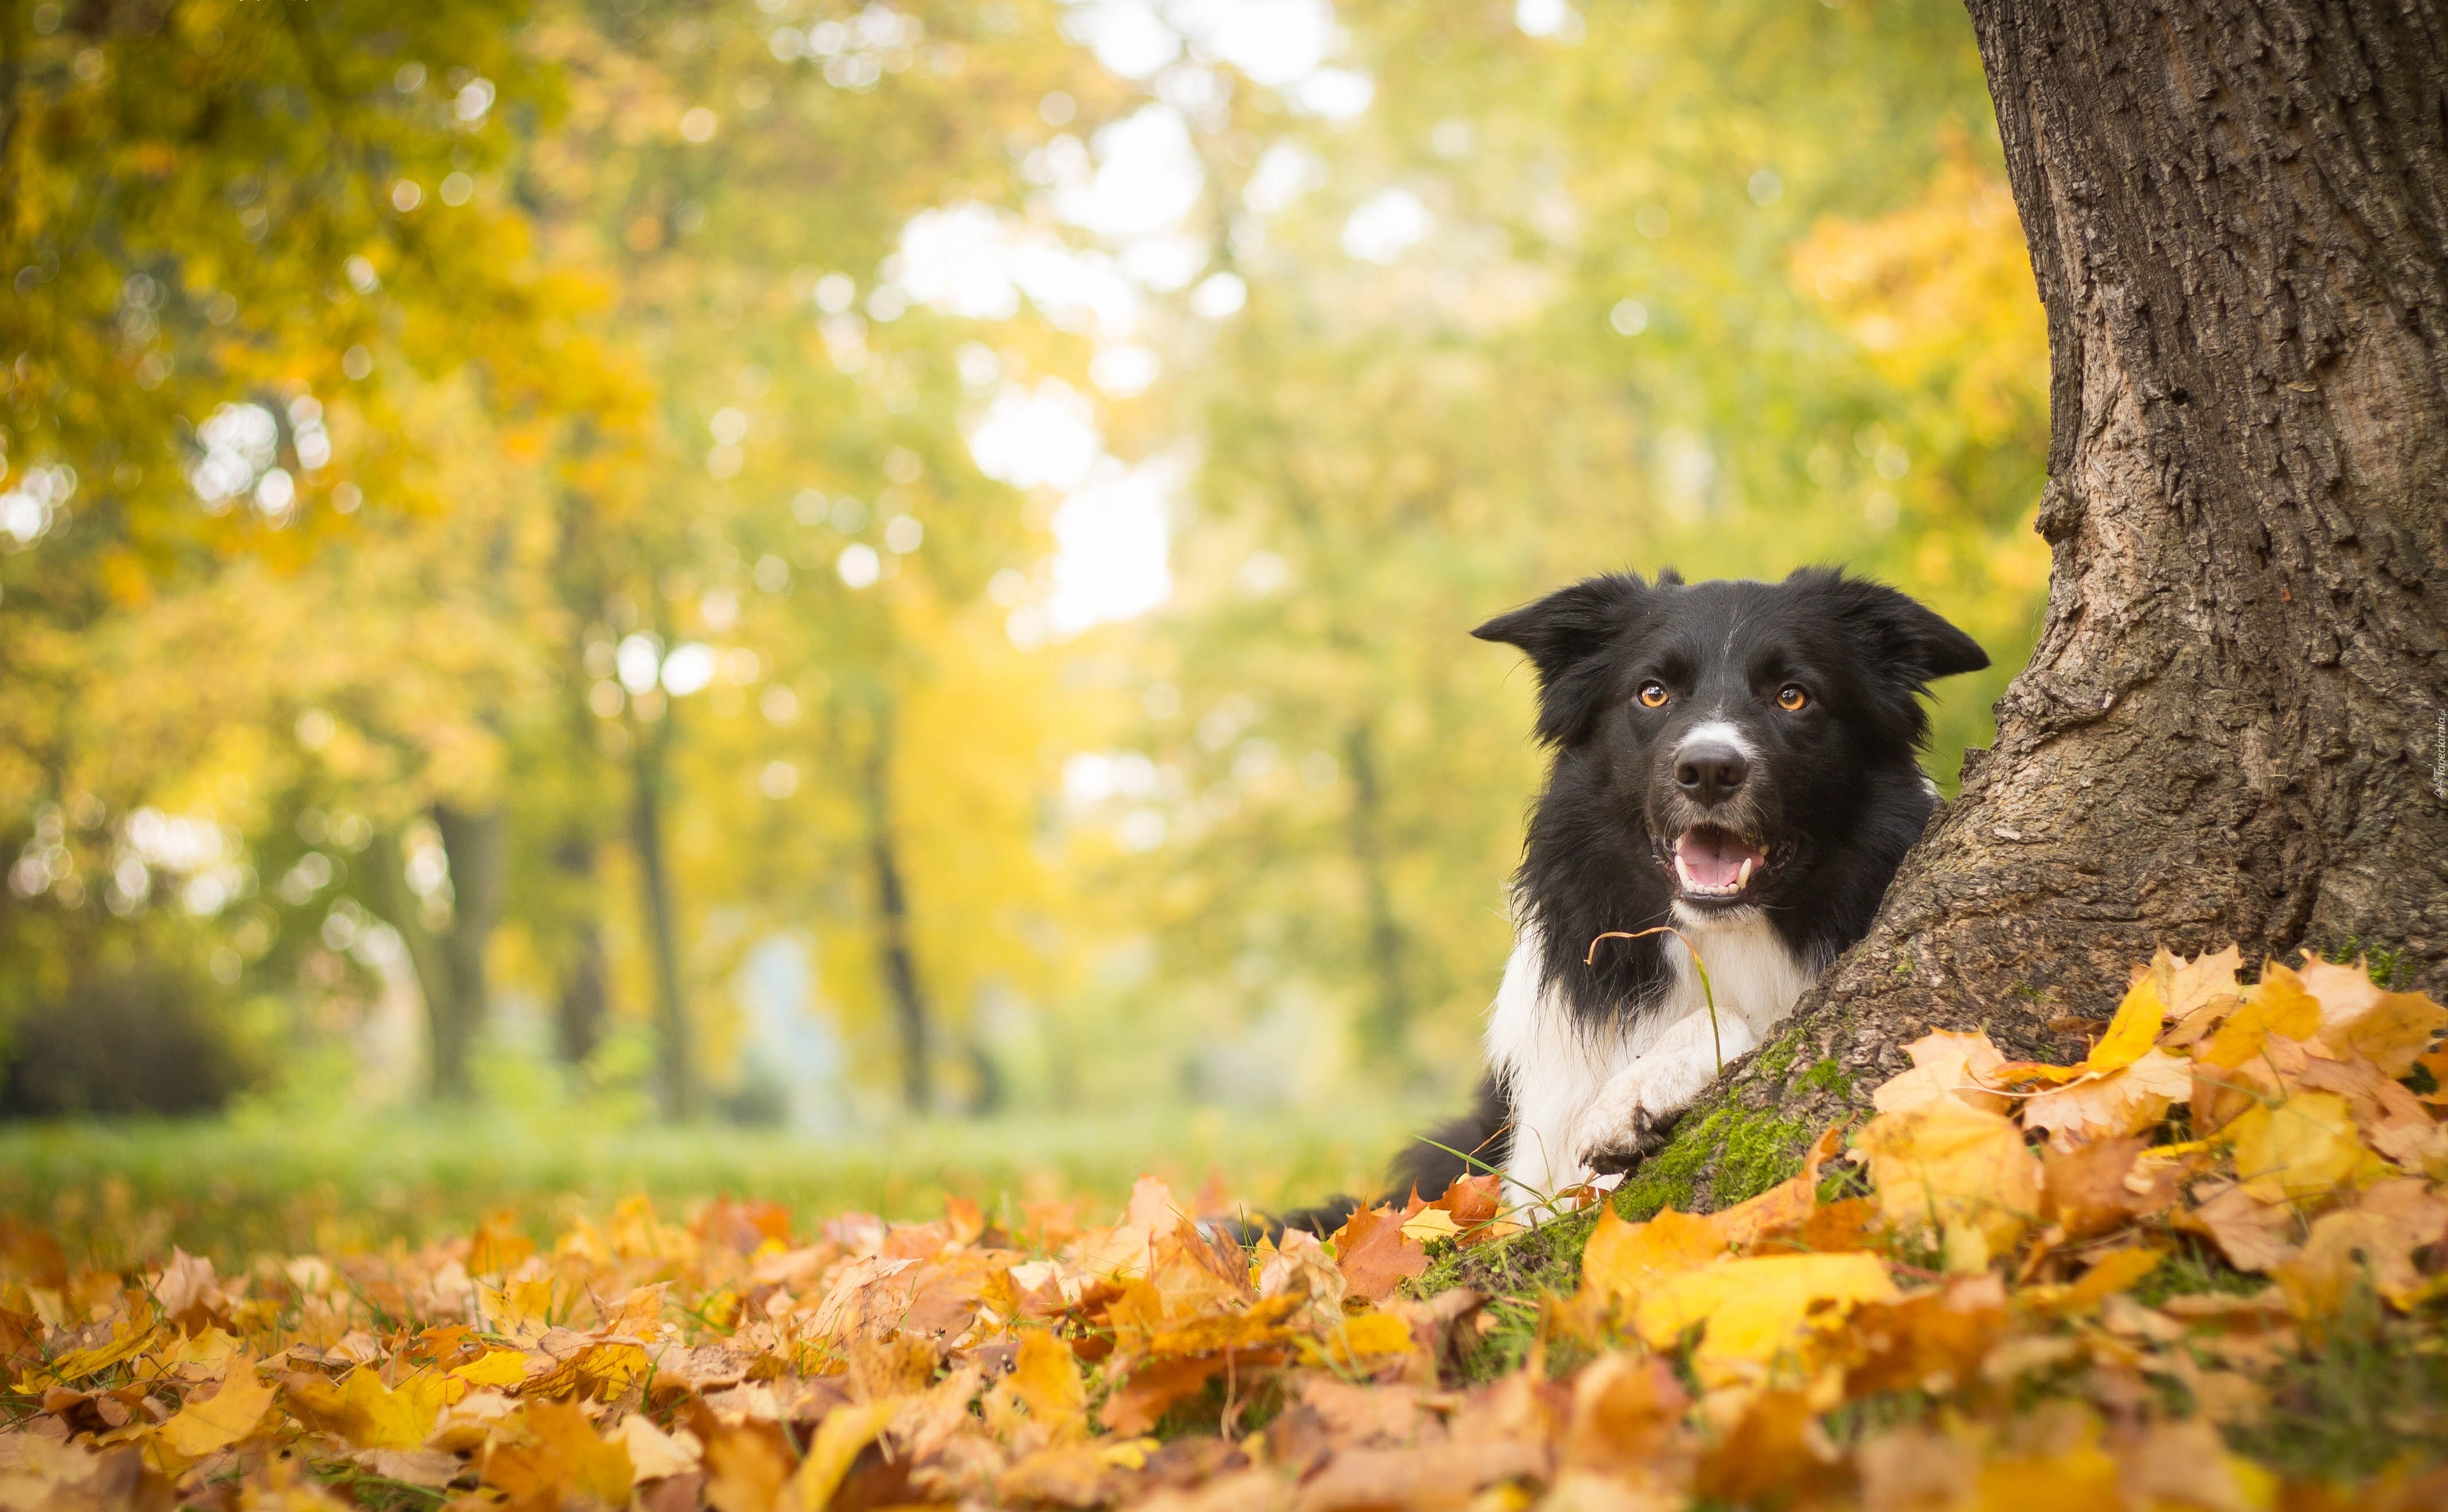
[1622,1126]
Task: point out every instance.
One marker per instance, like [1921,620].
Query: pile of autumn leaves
[1964,1334]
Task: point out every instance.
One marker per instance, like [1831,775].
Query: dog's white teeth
[1683,874]
[1743,878]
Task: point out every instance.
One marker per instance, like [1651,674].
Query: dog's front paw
[1629,1142]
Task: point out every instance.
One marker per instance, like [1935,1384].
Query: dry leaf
[1946,1165]
[2123,1101]
[1624,1260]
[228,1416]
[1945,1065]
[1374,1254]
[1753,1311]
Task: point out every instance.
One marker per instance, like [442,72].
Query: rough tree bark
[2232,729]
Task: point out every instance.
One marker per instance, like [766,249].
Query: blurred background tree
[819,565]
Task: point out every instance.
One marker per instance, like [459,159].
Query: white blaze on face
[1720,731]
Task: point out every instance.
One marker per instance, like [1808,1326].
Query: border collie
[1735,759]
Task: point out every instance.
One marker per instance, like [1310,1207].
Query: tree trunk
[2232,729]
[1385,1028]
[894,956]
[675,1075]
[450,963]
[584,998]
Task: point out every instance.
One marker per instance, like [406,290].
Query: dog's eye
[1653,694]
[1790,698]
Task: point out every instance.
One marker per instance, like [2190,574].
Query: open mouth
[1714,863]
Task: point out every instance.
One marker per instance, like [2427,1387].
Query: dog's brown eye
[1653,694]
[1790,698]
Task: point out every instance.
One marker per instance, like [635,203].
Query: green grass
[262,1181]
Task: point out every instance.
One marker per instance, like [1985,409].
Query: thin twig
[1708,993]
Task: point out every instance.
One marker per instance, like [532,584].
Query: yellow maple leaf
[521,1311]
[1430,1223]
[78,1364]
[1947,1165]
[2208,981]
[230,1414]
[1945,1065]
[2391,1034]
[2279,1004]
[1755,1310]
[2127,1100]
[845,1431]
[1046,1377]
[2133,1032]
[551,1453]
[1366,1336]
[653,1453]
[2130,1035]
[499,1367]
[1624,1260]
[375,1416]
[2301,1148]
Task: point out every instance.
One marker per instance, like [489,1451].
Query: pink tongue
[1712,858]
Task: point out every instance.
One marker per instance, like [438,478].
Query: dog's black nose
[1710,771]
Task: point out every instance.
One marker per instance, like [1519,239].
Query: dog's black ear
[1903,632]
[1564,635]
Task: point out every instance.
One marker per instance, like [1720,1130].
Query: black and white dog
[1736,760]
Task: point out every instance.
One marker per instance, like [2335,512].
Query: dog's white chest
[1571,1084]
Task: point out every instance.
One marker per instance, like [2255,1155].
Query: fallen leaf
[1374,1254]
[1948,1165]
[1624,1260]
[2083,1190]
[228,1416]
[2254,1230]
[1753,1311]
[2304,1147]
[1153,1210]
[654,1454]
[1300,1266]
[375,1416]
[2393,1034]
[845,1431]
[1046,1379]
[2123,1101]
[2278,1005]
[746,1469]
[867,1298]
[551,1449]
[2129,1036]
[1154,1389]
[1787,1205]
[431,1468]
[2188,1465]
[502,1368]
[1431,1224]
[1627,1422]
[1365,1415]
[1945,1065]
[1932,1341]
[1436,1475]
[1774,1450]
[2372,1243]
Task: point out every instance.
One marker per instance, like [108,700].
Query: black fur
[1840,801]
[1834,799]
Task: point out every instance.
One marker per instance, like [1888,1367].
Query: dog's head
[1741,726]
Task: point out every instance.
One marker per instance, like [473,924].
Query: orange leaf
[1374,1255]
